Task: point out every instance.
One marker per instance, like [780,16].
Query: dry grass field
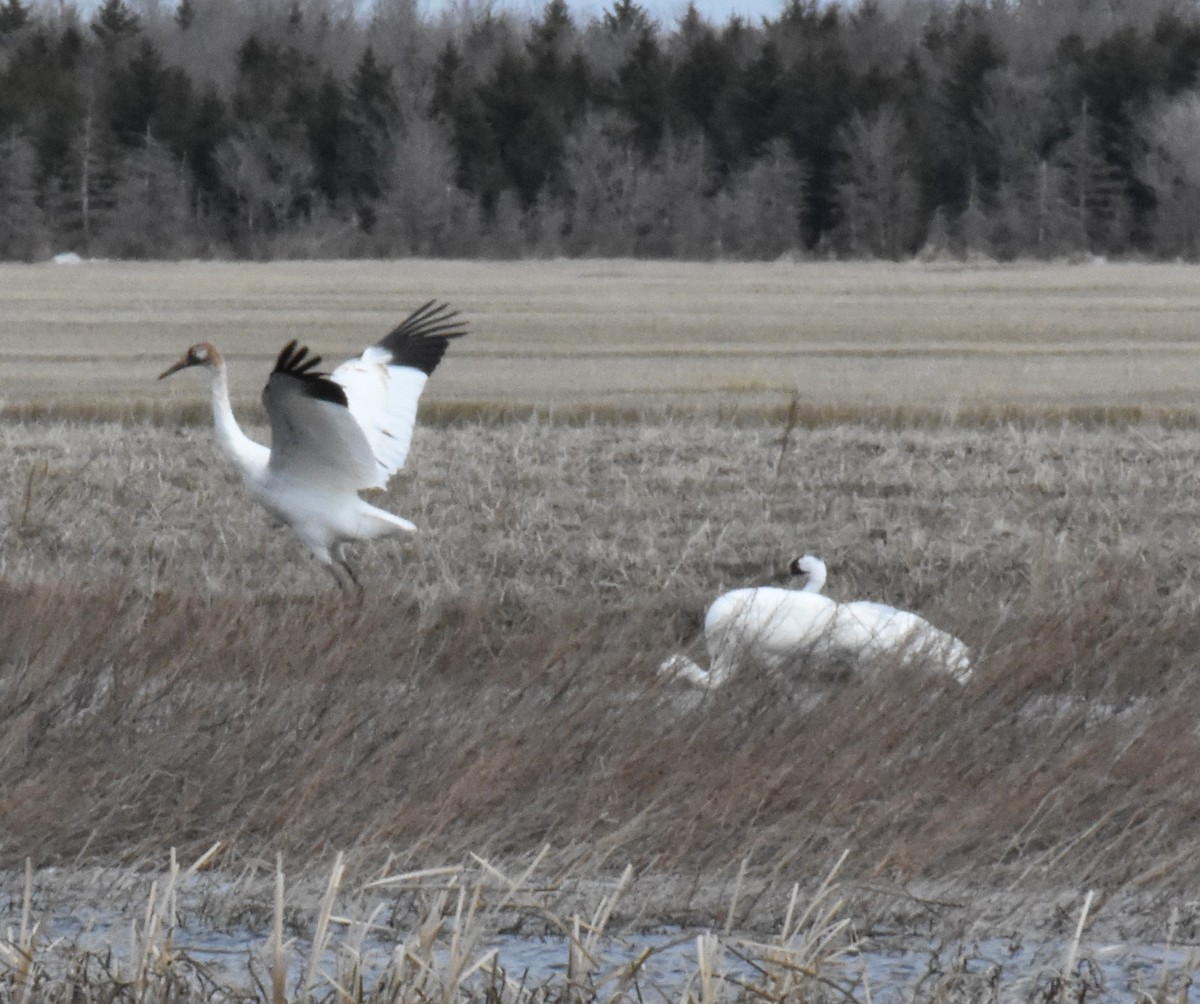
[574,335]
[175,671]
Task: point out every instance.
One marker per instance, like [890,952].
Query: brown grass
[177,671]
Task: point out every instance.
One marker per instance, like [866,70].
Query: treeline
[298,128]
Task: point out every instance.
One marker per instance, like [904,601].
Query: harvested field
[176,671]
[627,337]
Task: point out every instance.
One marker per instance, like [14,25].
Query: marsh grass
[176,671]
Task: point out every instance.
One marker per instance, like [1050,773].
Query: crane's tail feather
[374,522]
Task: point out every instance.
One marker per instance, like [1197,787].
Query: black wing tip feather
[421,339]
[295,362]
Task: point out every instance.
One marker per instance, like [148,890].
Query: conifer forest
[995,129]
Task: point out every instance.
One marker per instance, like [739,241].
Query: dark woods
[308,128]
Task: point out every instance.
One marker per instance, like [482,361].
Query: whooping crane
[775,626]
[333,434]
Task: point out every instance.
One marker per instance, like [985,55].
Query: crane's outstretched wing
[383,385]
[314,438]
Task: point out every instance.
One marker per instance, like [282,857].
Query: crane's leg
[334,562]
[338,553]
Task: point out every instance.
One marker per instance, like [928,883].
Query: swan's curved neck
[246,453]
[816,579]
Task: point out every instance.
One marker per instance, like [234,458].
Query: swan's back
[875,629]
[766,622]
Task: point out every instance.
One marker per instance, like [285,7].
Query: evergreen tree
[816,101]
[373,119]
[13,17]
[457,102]
[82,195]
[954,145]
[527,135]
[756,104]
[558,70]
[1113,81]
[41,97]
[327,129]
[185,14]
[641,93]
[701,75]
[549,41]
[629,18]
[138,90]
[1175,49]
[206,128]
[1015,128]
[114,22]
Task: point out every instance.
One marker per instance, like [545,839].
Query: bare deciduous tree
[878,193]
[1171,169]
[23,232]
[760,210]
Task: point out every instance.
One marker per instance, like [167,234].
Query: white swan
[870,630]
[774,626]
[769,625]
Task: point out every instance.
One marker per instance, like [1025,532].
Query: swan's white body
[766,625]
[874,630]
[333,435]
[773,627]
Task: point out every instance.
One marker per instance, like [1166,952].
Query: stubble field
[1008,451]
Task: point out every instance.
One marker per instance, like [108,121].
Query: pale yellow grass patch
[572,334]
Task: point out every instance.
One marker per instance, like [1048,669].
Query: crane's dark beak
[183,364]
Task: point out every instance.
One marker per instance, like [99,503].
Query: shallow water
[876,971]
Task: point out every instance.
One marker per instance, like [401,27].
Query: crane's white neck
[250,456]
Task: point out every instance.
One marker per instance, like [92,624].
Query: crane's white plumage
[335,434]
[774,627]
[383,401]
